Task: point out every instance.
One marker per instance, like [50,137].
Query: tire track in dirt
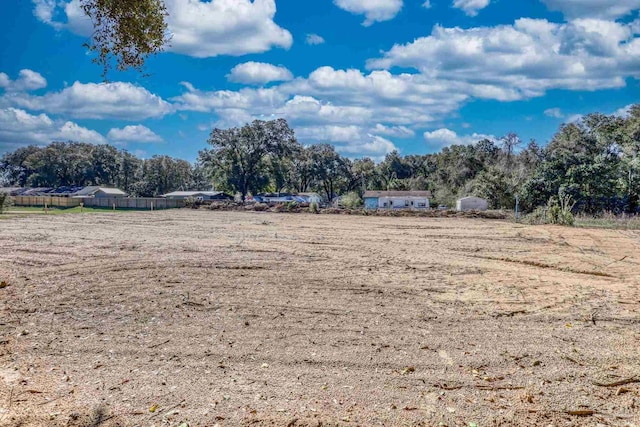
[538,264]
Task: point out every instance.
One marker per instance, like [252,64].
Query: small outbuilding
[200,195]
[471,204]
[100,192]
[397,199]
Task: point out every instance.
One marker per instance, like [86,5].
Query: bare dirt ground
[201,318]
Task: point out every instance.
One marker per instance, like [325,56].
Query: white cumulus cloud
[373,10]
[19,128]
[63,14]
[329,133]
[117,100]
[600,9]
[314,39]
[394,131]
[554,112]
[258,101]
[43,10]
[225,27]
[258,73]
[352,141]
[524,60]
[444,137]
[471,7]
[136,133]
[373,146]
[27,80]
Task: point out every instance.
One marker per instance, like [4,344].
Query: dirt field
[201,318]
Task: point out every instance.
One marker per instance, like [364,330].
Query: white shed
[396,199]
[472,204]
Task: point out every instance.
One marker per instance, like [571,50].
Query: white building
[471,204]
[397,199]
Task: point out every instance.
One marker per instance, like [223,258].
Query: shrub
[314,208]
[537,217]
[557,211]
[192,202]
[290,207]
[223,205]
[352,200]
[5,202]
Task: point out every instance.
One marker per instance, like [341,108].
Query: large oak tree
[239,157]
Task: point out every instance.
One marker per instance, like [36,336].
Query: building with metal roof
[97,191]
[396,199]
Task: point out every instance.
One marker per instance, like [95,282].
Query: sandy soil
[255,319]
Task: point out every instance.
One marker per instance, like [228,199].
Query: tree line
[61,164]
[595,161]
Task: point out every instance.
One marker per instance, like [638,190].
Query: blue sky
[367,76]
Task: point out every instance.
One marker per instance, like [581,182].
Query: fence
[61,202]
[133,203]
[100,202]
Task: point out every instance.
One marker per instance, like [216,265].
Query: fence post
[517,207]
[81,207]
[114,207]
[152,205]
